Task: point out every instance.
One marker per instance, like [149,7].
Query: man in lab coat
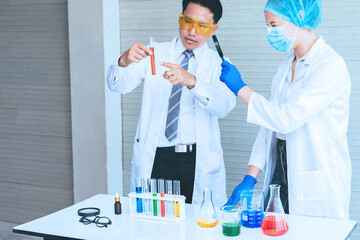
[178,133]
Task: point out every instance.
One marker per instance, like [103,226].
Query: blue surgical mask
[277,38]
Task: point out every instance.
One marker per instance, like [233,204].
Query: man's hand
[177,74]
[135,53]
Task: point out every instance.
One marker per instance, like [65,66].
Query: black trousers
[280,175]
[169,164]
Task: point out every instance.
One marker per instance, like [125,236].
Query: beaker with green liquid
[230,220]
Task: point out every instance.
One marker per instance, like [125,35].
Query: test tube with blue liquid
[154,193]
[168,204]
[139,202]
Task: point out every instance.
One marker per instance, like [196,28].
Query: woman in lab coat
[302,142]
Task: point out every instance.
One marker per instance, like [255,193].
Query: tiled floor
[6,233]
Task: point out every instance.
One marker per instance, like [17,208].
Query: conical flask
[207,217]
[274,222]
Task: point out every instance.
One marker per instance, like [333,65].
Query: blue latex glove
[231,77]
[247,184]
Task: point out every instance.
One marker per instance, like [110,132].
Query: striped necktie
[174,102]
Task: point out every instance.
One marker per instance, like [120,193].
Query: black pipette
[218,48]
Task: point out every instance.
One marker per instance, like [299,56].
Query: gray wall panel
[35,112]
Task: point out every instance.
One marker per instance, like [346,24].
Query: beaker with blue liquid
[252,209]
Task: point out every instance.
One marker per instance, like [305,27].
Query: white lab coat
[209,170]
[315,121]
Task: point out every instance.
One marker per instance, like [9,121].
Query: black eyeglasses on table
[99,221]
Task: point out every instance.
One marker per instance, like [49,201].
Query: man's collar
[179,49]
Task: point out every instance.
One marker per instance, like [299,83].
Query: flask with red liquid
[274,222]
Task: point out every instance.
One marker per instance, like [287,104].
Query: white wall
[96,113]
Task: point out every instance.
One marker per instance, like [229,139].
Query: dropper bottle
[117,204]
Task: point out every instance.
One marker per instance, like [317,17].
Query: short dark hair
[213,5]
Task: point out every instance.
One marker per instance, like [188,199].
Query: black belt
[182,148]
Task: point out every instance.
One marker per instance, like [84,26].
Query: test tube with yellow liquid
[176,189]
[207,217]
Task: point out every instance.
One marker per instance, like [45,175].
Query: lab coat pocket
[213,163]
[311,185]
[143,156]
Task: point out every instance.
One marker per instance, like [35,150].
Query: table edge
[45,236]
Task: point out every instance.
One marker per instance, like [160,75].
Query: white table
[65,224]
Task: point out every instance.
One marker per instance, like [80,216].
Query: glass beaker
[252,208]
[207,217]
[230,220]
[274,223]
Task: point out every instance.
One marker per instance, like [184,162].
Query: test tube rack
[149,215]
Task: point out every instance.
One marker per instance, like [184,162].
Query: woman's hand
[231,77]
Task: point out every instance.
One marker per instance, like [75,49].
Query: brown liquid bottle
[117,204]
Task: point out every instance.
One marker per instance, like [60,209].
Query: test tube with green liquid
[154,191]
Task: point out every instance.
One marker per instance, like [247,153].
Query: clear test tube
[138,187]
[152,57]
[154,193]
[161,188]
[146,202]
[168,204]
[176,184]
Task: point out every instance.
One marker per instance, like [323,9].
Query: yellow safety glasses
[202,28]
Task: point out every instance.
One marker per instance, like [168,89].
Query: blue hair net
[302,13]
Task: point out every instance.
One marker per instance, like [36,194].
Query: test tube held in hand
[161,184]
[176,188]
[154,191]
[152,57]
[138,187]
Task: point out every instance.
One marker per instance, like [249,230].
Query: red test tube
[152,56]
[161,186]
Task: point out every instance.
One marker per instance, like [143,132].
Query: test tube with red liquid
[152,57]
[161,186]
